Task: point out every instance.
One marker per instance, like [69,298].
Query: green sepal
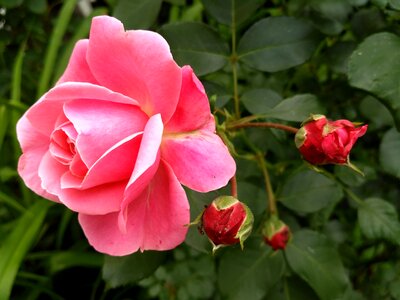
[224,202]
[312,118]
[272,226]
[300,137]
[354,168]
[247,226]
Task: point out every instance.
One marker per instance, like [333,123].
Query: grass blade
[54,44]
[15,246]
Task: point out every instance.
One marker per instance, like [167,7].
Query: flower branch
[271,197]
[263,124]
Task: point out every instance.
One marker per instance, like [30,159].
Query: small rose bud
[276,233]
[321,141]
[227,221]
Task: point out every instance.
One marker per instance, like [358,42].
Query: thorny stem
[264,124]
[271,197]
[234,63]
[234,187]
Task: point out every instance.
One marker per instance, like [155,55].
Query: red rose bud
[321,141]
[227,221]
[276,233]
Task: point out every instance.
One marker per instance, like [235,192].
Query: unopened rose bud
[227,221]
[321,141]
[276,233]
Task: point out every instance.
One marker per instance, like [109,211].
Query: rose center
[62,143]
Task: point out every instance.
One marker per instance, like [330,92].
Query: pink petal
[200,160]
[98,200]
[34,146]
[116,164]
[78,69]
[50,172]
[193,110]
[136,63]
[45,113]
[146,164]
[156,219]
[101,125]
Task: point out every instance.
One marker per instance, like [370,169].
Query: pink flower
[116,137]
[321,141]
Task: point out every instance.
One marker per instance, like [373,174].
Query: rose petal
[193,110]
[44,114]
[146,164]
[34,145]
[115,165]
[200,160]
[50,172]
[136,63]
[98,200]
[101,124]
[156,219]
[78,69]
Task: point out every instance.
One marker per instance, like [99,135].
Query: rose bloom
[116,137]
[321,141]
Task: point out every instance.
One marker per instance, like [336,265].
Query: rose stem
[266,125]
[234,186]
[233,60]
[271,202]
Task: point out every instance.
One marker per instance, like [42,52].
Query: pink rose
[116,137]
[321,141]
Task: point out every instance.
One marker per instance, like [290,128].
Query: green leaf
[15,246]
[10,3]
[205,51]
[375,67]
[368,21]
[296,108]
[313,257]
[389,152]
[329,16]
[277,43]
[137,14]
[37,6]
[377,114]
[67,259]
[378,220]
[307,191]
[395,4]
[118,271]
[380,3]
[260,101]
[249,274]
[293,288]
[222,10]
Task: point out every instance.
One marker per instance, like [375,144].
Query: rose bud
[276,233]
[227,221]
[321,141]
